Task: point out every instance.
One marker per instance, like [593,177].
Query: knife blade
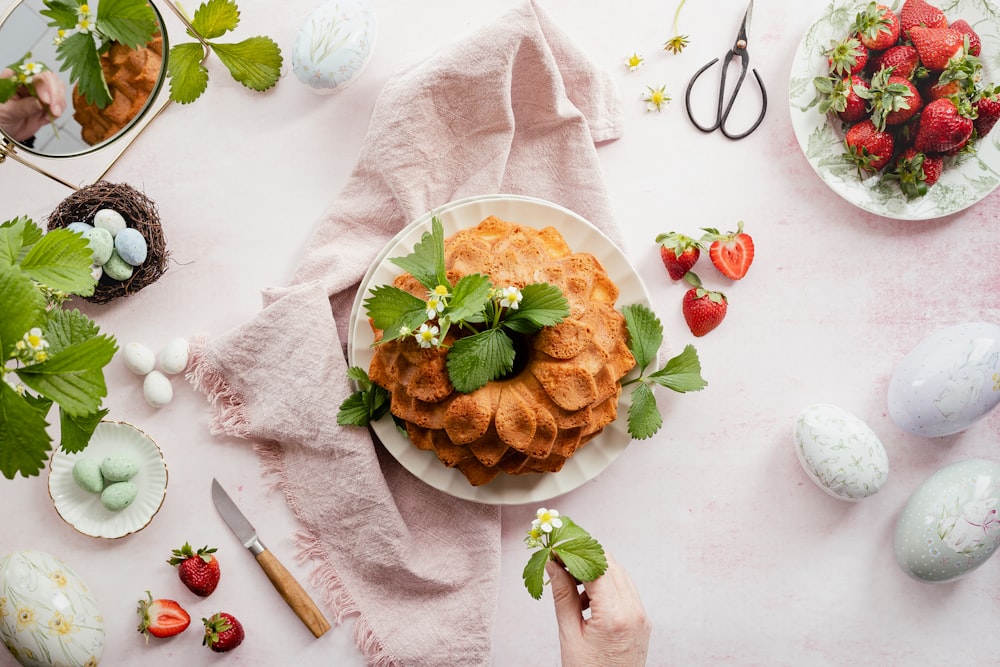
[280,578]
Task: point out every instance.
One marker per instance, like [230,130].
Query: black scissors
[738,50]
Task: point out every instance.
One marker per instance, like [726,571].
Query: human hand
[22,115]
[617,632]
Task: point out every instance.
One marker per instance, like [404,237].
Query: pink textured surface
[739,558]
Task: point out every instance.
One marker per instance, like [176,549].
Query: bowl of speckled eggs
[122,228]
[112,488]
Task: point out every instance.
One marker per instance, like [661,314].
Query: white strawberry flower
[546,520]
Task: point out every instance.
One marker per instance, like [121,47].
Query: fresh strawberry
[877,27]
[915,172]
[848,56]
[161,618]
[222,632]
[975,44]
[959,78]
[703,309]
[843,97]
[903,60]
[678,252]
[731,253]
[987,111]
[892,99]
[920,12]
[936,46]
[868,147]
[198,570]
[942,128]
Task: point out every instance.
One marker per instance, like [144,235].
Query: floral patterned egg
[335,44]
[950,380]
[950,525]
[48,616]
[840,452]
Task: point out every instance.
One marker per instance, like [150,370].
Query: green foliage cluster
[38,272]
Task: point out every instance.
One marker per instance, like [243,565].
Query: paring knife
[282,579]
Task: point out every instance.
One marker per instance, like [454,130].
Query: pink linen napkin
[514,108]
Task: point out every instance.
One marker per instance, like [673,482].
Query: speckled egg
[949,526]
[950,380]
[174,356]
[110,220]
[101,244]
[87,474]
[334,44]
[131,246]
[118,268]
[48,616]
[840,452]
[157,390]
[119,495]
[78,227]
[119,468]
[138,358]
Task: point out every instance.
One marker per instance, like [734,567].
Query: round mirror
[110,67]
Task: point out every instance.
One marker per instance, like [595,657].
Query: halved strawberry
[936,46]
[920,12]
[161,618]
[703,309]
[877,27]
[678,252]
[731,253]
[868,148]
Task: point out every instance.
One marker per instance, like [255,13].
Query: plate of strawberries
[894,104]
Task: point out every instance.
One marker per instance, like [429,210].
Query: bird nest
[139,212]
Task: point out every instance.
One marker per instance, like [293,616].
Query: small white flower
[435,305]
[634,62]
[60,37]
[510,297]
[547,520]
[427,335]
[30,70]
[84,25]
[405,331]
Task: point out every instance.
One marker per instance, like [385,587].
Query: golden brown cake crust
[567,389]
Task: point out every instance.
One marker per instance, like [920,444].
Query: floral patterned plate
[966,179]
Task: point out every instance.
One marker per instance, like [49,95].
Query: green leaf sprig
[84,34]
[490,313]
[369,403]
[48,355]
[558,538]
[681,373]
[254,62]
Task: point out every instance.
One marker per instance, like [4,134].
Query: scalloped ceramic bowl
[83,510]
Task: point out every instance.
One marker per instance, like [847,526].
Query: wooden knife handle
[293,593]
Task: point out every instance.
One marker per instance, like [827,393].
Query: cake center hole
[522,348]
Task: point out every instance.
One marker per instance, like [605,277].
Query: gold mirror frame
[124,140]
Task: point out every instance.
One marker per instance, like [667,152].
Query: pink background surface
[739,557]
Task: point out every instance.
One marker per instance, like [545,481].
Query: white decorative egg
[950,525]
[950,380]
[335,44]
[110,220]
[174,356]
[840,452]
[48,616]
[138,358]
[157,390]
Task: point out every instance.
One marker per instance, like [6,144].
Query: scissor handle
[724,107]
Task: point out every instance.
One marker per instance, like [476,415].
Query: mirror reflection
[70,86]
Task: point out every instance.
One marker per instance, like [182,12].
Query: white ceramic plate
[83,510]
[581,236]
[966,179]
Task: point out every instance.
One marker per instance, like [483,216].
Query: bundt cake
[565,384]
[131,75]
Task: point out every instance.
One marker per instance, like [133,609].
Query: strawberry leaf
[23,435]
[75,431]
[254,62]
[74,376]
[215,18]
[583,557]
[78,53]
[131,22]
[644,418]
[682,373]
[24,305]
[534,572]
[426,262]
[391,307]
[188,76]
[469,297]
[62,261]
[62,13]
[475,360]
[645,333]
[542,305]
